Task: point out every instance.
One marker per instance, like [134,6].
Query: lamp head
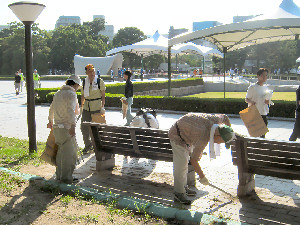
[27,11]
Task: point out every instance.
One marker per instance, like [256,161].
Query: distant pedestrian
[22,79]
[296,131]
[36,79]
[260,95]
[98,73]
[17,83]
[128,96]
[112,75]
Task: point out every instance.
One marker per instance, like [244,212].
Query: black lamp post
[28,12]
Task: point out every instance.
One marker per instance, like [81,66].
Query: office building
[174,32]
[67,21]
[109,30]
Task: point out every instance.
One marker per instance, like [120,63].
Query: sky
[148,16]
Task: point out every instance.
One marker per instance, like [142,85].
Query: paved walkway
[277,201]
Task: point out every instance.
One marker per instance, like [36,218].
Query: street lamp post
[28,12]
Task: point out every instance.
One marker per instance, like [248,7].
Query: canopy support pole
[224,64]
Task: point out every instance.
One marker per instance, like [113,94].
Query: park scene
[186,126]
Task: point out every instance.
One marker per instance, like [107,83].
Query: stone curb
[135,204]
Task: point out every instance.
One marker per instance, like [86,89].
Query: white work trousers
[180,167]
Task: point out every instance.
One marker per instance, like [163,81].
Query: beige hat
[75,78]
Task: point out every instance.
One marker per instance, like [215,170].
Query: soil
[29,204]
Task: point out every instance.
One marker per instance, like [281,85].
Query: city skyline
[148,17]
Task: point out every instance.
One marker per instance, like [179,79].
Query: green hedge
[118,88]
[206,105]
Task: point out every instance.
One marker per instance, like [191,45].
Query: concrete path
[277,201]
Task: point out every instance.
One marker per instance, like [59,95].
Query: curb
[134,204]
[185,112]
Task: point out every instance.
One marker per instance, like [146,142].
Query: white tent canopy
[191,48]
[158,44]
[256,31]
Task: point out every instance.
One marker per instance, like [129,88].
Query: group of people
[20,80]
[189,135]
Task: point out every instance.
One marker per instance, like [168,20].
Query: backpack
[98,82]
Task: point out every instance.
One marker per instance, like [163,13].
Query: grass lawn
[285,96]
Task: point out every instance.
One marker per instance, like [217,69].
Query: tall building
[174,32]
[67,20]
[109,30]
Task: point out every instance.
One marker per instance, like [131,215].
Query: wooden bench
[264,157]
[135,142]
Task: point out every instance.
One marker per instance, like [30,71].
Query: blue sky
[148,16]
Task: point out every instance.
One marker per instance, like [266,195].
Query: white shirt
[258,94]
[63,106]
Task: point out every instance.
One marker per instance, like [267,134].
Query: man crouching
[189,137]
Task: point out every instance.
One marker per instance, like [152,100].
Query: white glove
[204,181]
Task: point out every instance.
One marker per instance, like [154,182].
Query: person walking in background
[17,83]
[62,118]
[98,73]
[189,136]
[22,79]
[112,75]
[296,131]
[36,79]
[92,102]
[128,96]
[259,94]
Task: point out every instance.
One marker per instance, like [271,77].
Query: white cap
[75,78]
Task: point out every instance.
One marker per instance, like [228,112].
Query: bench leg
[105,161]
[191,179]
[246,184]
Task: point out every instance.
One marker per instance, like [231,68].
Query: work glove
[204,181]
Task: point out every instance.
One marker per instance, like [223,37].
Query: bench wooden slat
[144,154]
[151,148]
[270,164]
[155,142]
[273,158]
[287,147]
[124,129]
[124,136]
[274,153]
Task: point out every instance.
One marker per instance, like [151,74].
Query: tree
[128,36]
[12,48]
[70,40]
